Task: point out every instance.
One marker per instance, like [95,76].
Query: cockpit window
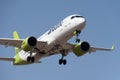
[76,17]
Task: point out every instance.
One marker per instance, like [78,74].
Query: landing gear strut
[77,32]
[62,60]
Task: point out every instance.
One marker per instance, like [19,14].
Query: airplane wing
[94,49]
[17,42]
[11,42]
[70,48]
[7,59]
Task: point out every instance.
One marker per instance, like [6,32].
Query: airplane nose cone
[80,21]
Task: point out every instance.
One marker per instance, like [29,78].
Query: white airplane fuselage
[61,33]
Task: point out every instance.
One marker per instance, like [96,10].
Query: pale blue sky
[34,17]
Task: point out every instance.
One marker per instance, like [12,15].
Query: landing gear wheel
[28,59]
[64,61]
[60,61]
[32,59]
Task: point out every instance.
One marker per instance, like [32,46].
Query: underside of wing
[18,42]
[94,49]
[11,42]
[82,48]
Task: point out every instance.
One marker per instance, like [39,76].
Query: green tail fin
[16,36]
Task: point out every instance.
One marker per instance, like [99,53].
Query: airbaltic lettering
[53,29]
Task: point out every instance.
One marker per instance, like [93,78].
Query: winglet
[113,47]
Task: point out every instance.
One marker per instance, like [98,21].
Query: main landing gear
[62,60]
[30,58]
[77,32]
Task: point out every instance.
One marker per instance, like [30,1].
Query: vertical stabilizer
[16,36]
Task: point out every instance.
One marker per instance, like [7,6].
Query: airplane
[54,41]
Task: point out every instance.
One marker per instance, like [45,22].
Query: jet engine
[29,43]
[81,48]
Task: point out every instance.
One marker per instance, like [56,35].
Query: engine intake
[32,41]
[81,48]
[85,46]
[29,43]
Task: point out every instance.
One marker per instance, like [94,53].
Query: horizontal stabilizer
[7,59]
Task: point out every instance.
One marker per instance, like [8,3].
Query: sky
[35,17]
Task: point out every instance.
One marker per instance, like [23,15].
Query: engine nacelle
[81,48]
[29,43]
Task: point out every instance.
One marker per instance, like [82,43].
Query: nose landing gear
[77,33]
